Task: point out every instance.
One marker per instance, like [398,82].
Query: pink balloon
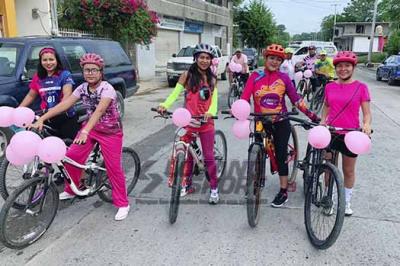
[25,143]
[241,129]
[232,66]
[23,116]
[357,142]
[298,76]
[319,137]
[241,109]
[15,158]
[308,73]
[52,150]
[6,116]
[213,70]
[238,68]
[181,117]
[215,61]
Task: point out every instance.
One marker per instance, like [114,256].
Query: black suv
[19,58]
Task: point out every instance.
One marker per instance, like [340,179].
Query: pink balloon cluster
[214,61]
[308,73]
[25,145]
[19,117]
[241,110]
[298,76]
[235,67]
[181,117]
[357,142]
[241,129]
[213,69]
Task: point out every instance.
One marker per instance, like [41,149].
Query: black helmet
[204,48]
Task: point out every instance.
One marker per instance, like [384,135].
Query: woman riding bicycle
[201,97]
[54,85]
[268,89]
[343,99]
[104,126]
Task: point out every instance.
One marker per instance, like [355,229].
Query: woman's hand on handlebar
[366,128]
[207,116]
[161,109]
[38,124]
[81,139]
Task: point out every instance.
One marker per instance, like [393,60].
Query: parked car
[182,61]
[301,49]
[19,58]
[252,57]
[390,70]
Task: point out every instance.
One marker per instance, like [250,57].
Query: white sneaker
[122,213]
[214,198]
[348,211]
[66,196]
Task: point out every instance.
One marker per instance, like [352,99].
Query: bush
[393,46]
[375,57]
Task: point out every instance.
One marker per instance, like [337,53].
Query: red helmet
[275,49]
[346,56]
[92,59]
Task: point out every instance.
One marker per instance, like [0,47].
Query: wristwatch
[85,132]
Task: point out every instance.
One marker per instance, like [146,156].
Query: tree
[360,11]
[124,19]
[256,24]
[282,37]
[390,10]
[393,46]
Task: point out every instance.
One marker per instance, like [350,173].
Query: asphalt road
[85,233]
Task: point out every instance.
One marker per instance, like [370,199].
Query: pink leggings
[207,143]
[111,149]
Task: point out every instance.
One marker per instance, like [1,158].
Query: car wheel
[223,75]
[391,81]
[171,83]
[378,76]
[120,104]
[5,138]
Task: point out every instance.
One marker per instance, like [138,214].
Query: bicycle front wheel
[220,154]
[233,94]
[317,101]
[255,172]
[310,92]
[293,155]
[301,87]
[131,169]
[176,186]
[22,227]
[324,207]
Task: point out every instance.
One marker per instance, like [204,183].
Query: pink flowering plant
[124,19]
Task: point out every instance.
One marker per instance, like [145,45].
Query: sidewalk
[156,83]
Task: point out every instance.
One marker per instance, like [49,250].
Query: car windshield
[186,52]
[9,56]
[249,52]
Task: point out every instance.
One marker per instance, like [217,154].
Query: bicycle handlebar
[272,114]
[170,114]
[308,124]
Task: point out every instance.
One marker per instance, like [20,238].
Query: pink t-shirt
[242,60]
[338,95]
[110,122]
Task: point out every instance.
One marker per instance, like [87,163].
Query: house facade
[185,23]
[355,36]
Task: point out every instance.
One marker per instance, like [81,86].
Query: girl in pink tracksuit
[104,126]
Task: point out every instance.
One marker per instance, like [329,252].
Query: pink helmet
[346,56]
[92,59]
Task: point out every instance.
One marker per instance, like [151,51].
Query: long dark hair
[41,71]
[194,78]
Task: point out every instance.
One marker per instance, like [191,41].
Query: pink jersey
[338,96]
[198,107]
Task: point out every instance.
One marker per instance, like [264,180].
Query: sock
[283,190]
[348,191]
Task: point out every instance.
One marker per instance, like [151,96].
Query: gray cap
[238,50]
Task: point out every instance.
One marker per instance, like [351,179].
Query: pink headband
[47,50]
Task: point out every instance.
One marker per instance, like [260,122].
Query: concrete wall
[351,29]
[361,44]
[27,25]
[146,63]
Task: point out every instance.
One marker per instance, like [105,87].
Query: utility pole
[371,41]
[334,22]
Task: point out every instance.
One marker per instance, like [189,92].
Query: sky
[303,15]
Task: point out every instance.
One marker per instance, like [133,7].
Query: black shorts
[66,127]
[337,144]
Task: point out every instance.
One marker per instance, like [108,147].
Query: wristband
[85,132]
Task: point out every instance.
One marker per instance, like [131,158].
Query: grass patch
[375,57]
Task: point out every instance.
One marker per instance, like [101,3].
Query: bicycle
[261,148]
[317,101]
[323,190]
[38,196]
[180,154]
[236,89]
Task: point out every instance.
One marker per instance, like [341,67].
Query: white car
[301,49]
[184,59]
